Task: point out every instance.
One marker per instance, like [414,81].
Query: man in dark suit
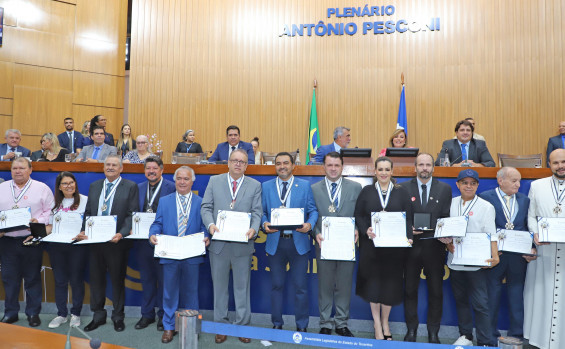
[342,138]
[431,197]
[110,196]
[511,209]
[465,151]
[12,146]
[335,196]
[70,139]
[151,272]
[288,246]
[224,150]
[557,142]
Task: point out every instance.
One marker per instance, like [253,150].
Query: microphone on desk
[95,343]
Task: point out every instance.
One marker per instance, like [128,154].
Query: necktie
[334,188]
[424,195]
[283,194]
[234,186]
[71,142]
[464,152]
[95,154]
[181,222]
[108,190]
[507,199]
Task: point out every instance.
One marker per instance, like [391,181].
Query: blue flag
[401,122]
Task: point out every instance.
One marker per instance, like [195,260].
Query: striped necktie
[181,218]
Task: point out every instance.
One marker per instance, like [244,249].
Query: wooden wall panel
[6,106]
[98,89]
[7,80]
[207,64]
[10,6]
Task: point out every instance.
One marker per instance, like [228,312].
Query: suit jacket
[167,188]
[439,201]
[166,221]
[521,220]
[478,152]
[300,197]
[346,206]
[217,197]
[182,147]
[88,151]
[36,155]
[552,144]
[65,143]
[322,151]
[125,202]
[4,149]
[222,151]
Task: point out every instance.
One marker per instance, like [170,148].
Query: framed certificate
[472,250]
[15,219]
[515,241]
[390,229]
[180,247]
[451,227]
[99,229]
[233,226]
[551,229]
[283,218]
[141,222]
[339,238]
[66,225]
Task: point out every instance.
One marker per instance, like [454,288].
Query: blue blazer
[4,149]
[64,141]
[521,220]
[322,151]
[167,188]
[223,149]
[300,197]
[552,144]
[166,222]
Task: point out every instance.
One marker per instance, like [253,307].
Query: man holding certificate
[288,241]
[19,262]
[118,197]
[232,192]
[544,307]
[178,215]
[431,199]
[335,196]
[151,272]
[466,257]
[511,218]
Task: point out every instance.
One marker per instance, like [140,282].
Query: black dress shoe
[277,327]
[324,330]
[433,338]
[119,325]
[410,336]
[143,323]
[34,320]
[94,325]
[298,329]
[345,332]
[9,320]
[160,324]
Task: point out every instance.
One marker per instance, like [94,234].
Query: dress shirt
[466,149]
[337,147]
[230,149]
[110,200]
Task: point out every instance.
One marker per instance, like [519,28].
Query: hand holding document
[515,241]
[551,229]
[15,218]
[99,229]
[389,229]
[472,250]
[66,225]
[451,227]
[180,247]
[141,222]
[233,226]
[283,218]
[339,238]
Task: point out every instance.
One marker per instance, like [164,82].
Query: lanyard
[107,197]
[234,195]
[384,202]
[283,200]
[190,146]
[179,203]
[150,203]
[337,191]
[24,190]
[558,197]
[468,209]
[508,214]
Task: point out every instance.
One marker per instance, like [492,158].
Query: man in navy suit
[288,246]
[178,214]
[342,138]
[557,142]
[12,146]
[223,150]
[70,139]
[512,214]
[465,149]
[151,272]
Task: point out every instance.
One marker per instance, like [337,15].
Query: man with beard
[70,139]
[557,142]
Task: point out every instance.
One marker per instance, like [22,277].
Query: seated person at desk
[397,140]
[465,148]
[258,155]
[12,146]
[342,138]
[98,151]
[188,145]
[52,150]
[223,150]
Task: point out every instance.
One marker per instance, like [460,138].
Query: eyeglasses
[67,184]
[238,162]
[140,142]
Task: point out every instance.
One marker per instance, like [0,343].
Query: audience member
[70,139]
[224,150]
[188,145]
[258,154]
[465,151]
[556,142]
[475,135]
[11,148]
[342,138]
[98,151]
[100,121]
[142,152]
[52,150]
[125,142]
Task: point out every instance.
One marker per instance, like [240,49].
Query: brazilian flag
[313,135]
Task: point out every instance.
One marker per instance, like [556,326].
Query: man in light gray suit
[335,196]
[98,151]
[232,191]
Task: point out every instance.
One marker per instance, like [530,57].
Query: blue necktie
[334,188]
[464,152]
[106,212]
[95,154]
[283,193]
[181,225]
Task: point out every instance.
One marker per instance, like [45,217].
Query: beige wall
[205,64]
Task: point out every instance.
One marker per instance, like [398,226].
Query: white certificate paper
[66,225]
[141,222]
[17,217]
[99,229]
[551,229]
[233,226]
[180,247]
[451,227]
[287,217]
[339,238]
[515,241]
[390,229]
[473,250]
